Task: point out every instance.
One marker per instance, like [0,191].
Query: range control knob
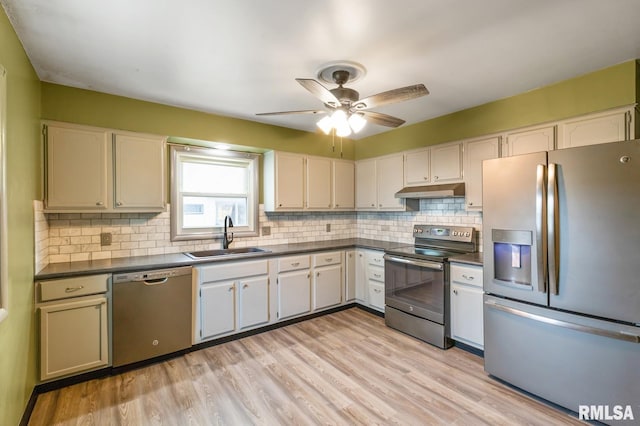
[466,234]
[455,233]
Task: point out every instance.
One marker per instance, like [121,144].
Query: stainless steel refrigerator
[561,242]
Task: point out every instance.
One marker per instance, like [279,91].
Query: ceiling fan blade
[304,111]
[392,96]
[382,119]
[319,91]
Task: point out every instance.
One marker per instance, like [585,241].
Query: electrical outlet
[328,227]
[105,239]
[266,230]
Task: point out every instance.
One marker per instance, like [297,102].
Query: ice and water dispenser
[512,256]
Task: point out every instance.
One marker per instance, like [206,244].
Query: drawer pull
[377,290]
[295,263]
[328,259]
[377,259]
[72,289]
[467,277]
[377,275]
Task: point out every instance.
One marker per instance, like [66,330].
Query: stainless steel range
[417,281]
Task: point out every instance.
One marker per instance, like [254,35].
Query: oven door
[415,286]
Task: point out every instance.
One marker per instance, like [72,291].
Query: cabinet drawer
[330,258]
[376,273]
[73,287]
[375,258]
[228,271]
[376,294]
[293,263]
[466,274]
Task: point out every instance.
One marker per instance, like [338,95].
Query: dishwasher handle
[156,281]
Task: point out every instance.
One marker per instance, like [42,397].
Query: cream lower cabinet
[294,286]
[74,325]
[370,278]
[327,280]
[231,297]
[92,169]
[466,304]
[350,268]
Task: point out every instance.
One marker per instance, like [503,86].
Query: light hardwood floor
[342,368]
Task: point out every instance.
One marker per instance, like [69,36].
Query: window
[4,273]
[206,186]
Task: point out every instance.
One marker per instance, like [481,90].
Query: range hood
[432,191]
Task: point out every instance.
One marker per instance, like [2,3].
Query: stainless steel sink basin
[225,252]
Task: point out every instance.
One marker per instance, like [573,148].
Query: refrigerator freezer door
[597,244]
[514,234]
[567,359]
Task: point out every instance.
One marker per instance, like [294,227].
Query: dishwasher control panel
[157,274]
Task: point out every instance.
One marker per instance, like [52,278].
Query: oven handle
[423,263]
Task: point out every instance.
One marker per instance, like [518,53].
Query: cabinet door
[343,184]
[595,129]
[475,152]
[350,275]
[73,337]
[366,185]
[318,178]
[254,301]
[528,141]
[294,293]
[446,163]
[217,309]
[361,277]
[327,286]
[139,172]
[289,181]
[78,169]
[416,167]
[466,315]
[390,178]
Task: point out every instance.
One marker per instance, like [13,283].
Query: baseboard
[370,310]
[24,421]
[469,349]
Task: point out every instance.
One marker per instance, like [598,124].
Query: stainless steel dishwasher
[152,314]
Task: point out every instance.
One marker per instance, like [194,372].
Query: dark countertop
[469,258]
[138,263]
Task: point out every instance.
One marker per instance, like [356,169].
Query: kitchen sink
[203,254]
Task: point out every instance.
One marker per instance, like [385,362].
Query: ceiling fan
[347,112]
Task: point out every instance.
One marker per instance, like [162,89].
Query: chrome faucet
[228,223]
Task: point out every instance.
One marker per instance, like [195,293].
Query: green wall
[608,88]
[64,103]
[18,347]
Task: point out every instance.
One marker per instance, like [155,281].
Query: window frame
[178,233]
[4,252]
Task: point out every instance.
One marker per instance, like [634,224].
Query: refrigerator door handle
[541,235]
[619,335]
[552,227]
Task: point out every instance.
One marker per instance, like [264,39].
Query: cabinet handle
[308,275]
[328,259]
[295,263]
[245,286]
[231,288]
[425,178]
[455,291]
[99,203]
[377,275]
[470,277]
[470,204]
[377,290]
[317,274]
[377,259]
[380,205]
[280,205]
[373,205]
[72,289]
[435,177]
[119,203]
[337,205]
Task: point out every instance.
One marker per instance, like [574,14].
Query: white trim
[4,275]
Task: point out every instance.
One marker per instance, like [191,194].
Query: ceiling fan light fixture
[325,124]
[357,122]
[341,123]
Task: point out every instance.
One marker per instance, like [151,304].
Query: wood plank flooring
[343,368]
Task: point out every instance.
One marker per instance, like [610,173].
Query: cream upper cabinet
[139,184]
[416,167]
[389,176]
[91,169]
[446,163]
[318,178]
[295,182]
[475,152]
[530,140]
[610,126]
[78,168]
[344,184]
[366,192]
[283,181]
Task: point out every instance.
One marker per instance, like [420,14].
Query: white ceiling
[240,57]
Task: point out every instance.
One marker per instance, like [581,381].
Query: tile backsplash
[68,237]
